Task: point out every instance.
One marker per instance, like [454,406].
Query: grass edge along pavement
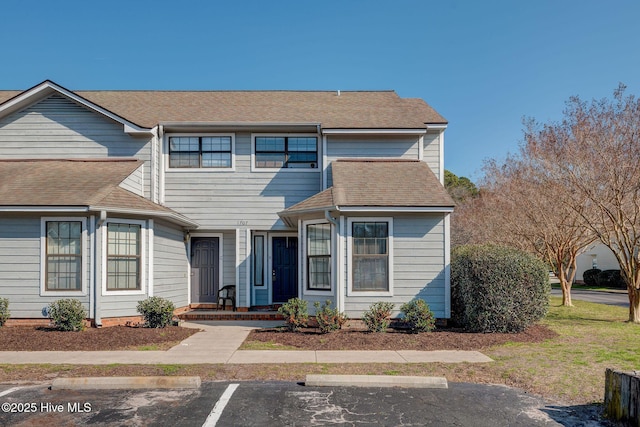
[569,368]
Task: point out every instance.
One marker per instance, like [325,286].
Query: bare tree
[535,214]
[595,150]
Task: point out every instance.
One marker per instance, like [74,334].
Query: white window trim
[43,257]
[305,277]
[317,169]
[350,291]
[166,153]
[143,259]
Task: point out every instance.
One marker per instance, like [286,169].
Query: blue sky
[484,65]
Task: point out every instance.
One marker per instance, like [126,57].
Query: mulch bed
[30,338]
[352,339]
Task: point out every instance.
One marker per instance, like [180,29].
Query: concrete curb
[375,381]
[108,383]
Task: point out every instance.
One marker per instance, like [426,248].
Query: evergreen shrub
[497,289]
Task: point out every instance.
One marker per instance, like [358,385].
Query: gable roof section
[12,101]
[378,183]
[76,183]
[146,109]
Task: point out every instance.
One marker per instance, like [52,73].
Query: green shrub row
[497,289]
[69,314]
[417,316]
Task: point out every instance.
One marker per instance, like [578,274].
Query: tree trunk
[634,304]
[566,292]
[564,283]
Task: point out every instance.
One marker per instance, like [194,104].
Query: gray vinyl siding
[418,266]
[135,182]
[431,151]
[20,266]
[218,199]
[170,264]
[57,127]
[373,146]
[229,258]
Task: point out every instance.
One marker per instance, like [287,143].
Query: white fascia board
[56,209]
[436,126]
[177,218]
[47,87]
[374,131]
[400,209]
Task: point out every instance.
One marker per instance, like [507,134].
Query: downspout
[338,260]
[161,164]
[98,257]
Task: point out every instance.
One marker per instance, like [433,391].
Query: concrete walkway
[219,343]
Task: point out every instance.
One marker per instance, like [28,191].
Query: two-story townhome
[113,196]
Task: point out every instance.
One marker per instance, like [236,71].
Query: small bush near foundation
[4,311]
[157,312]
[296,314]
[591,276]
[329,319]
[378,317]
[497,289]
[418,317]
[67,314]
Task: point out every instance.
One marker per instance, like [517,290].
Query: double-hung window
[124,254]
[286,152]
[370,252]
[200,152]
[63,256]
[319,257]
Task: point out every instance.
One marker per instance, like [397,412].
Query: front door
[205,273]
[284,276]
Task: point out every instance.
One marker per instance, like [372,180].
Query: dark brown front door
[205,273]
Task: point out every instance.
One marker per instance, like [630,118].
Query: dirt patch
[30,338]
[350,339]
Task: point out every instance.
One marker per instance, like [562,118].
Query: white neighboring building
[596,256]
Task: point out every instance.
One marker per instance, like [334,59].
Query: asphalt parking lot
[285,404]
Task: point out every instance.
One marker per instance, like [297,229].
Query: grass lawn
[566,369]
[592,337]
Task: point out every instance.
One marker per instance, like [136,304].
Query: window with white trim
[286,152]
[63,256]
[319,257]
[370,256]
[201,152]
[124,255]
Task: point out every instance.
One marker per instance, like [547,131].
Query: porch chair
[227,293]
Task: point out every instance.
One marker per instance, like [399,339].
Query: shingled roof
[378,183]
[330,109]
[90,183]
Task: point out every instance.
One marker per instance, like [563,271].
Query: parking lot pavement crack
[323,411]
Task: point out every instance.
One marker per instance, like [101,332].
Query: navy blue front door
[284,277]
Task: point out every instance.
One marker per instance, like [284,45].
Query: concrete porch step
[203,314]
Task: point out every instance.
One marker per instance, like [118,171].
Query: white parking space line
[216,412]
[11,390]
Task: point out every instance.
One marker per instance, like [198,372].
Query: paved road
[288,404]
[610,298]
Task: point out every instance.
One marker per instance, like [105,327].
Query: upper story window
[276,152]
[200,152]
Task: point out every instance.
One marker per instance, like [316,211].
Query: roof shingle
[378,183]
[348,110]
